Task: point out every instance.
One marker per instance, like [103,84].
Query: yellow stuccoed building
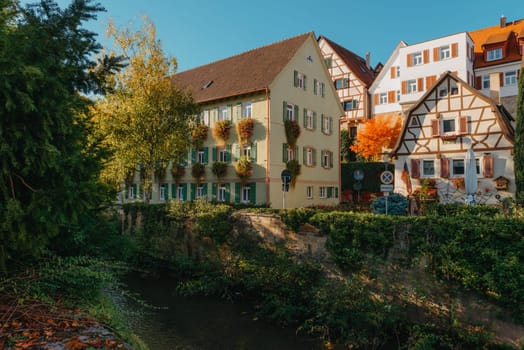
[283,81]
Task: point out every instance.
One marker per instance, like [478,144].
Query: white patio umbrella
[470,176]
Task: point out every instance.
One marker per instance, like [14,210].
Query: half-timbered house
[438,130]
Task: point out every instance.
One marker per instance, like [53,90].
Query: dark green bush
[294,218]
[397,204]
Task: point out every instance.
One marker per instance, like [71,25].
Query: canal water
[201,323]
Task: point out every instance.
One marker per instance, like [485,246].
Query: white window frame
[322,192]
[326,159]
[180,193]
[411,86]
[383,98]
[245,194]
[309,192]
[309,156]
[449,126]
[247,110]
[494,54]
[416,58]
[310,120]
[221,193]
[224,113]
[201,157]
[162,192]
[200,192]
[452,167]
[431,163]
[290,111]
[444,52]
[222,155]
[320,88]
[246,151]
[485,81]
[510,78]
[291,154]
[204,117]
[326,125]
[300,80]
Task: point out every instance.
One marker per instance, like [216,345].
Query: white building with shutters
[445,122]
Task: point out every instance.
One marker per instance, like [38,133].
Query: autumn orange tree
[379,132]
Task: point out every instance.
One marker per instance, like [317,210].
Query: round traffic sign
[387,177]
[285,176]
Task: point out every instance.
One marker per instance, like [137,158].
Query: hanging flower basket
[198,171]
[292,132]
[245,130]
[294,168]
[222,129]
[199,134]
[244,168]
[219,169]
[178,171]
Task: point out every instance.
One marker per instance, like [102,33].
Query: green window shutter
[329,192]
[284,111]
[237,192]
[305,118]
[330,159]
[253,192]
[295,79]
[206,155]
[336,192]
[315,86]
[214,191]
[184,192]
[228,153]
[126,192]
[284,152]
[204,189]
[228,192]
[214,154]
[314,120]
[193,156]
[304,155]
[192,190]
[238,113]
[304,82]
[253,151]
[173,191]
[166,193]
[296,112]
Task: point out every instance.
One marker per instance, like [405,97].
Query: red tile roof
[356,63]
[244,73]
[497,34]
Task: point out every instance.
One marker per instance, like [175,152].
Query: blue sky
[197,32]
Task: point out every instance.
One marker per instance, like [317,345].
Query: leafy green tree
[145,119]
[49,167]
[347,155]
[518,157]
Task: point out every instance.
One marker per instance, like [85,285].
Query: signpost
[386,184]
[286,179]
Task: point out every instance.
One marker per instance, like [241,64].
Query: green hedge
[482,253]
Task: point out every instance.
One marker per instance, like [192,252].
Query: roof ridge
[247,52]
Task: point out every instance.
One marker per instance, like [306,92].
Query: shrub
[397,204]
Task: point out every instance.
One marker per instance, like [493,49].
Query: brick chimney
[368,61]
[502,21]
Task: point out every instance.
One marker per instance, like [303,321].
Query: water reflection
[203,323]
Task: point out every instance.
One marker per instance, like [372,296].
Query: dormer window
[494,54]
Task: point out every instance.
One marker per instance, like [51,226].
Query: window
[485,81]
[329,62]
[290,153]
[398,95]
[322,192]
[353,131]
[457,167]
[223,155]
[163,192]
[444,52]
[341,83]
[448,126]
[290,112]
[383,98]
[131,192]
[245,194]
[247,110]
[200,192]
[224,113]
[309,192]
[204,117]
[428,168]
[350,105]
[319,88]
[300,80]
[510,78]
[180,192]
[327,159]
[246,151]
[309,157]
[443,92]
[453,90]
[398,71]
[221,193]
[495,54]
[326,124]
[201,156]
[416,58]
[411,86]
[310,120]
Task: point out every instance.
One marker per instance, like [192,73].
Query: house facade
[255,95]
[445,122]
[351,76]
[498,55]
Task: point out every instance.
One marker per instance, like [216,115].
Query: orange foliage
[377,133]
